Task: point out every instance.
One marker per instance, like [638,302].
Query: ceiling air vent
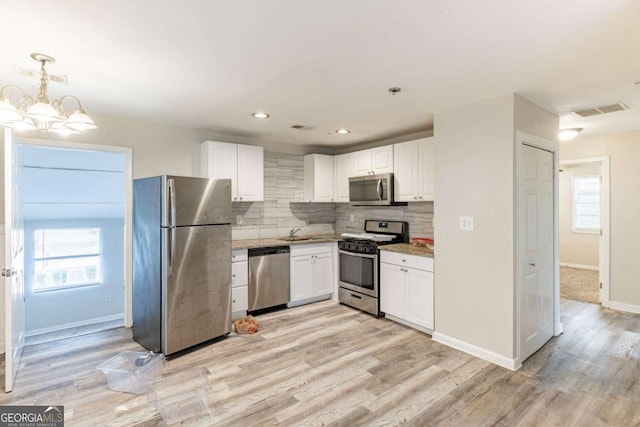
[35,74]
[603,109]
[302,127]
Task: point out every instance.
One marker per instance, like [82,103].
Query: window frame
[574,215]
[36,259]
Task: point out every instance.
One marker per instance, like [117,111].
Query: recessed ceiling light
[260,115]
[567,134]
[343,131]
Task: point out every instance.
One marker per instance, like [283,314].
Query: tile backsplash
[283,208]
[418,215]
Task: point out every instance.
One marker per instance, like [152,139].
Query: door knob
[532,264]
[7,272]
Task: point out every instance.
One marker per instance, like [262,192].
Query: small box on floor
[180,396]
[131,371]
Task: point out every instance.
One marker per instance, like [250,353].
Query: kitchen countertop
[406,248]
[278,241]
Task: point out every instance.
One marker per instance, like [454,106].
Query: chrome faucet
[293,231]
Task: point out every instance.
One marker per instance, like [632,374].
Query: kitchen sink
[295,238]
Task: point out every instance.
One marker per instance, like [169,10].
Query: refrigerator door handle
[172,248]
[172,202]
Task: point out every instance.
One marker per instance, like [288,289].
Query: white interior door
[536,249]
[14,260]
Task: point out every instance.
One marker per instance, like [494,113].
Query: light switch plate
[466,223]
[239,219]
[352,217]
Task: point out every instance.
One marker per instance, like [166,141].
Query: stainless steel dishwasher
[268,277]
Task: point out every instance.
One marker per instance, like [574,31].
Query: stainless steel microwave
[371,190]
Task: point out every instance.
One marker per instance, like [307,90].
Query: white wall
[623,150]
[575,248]
[53,309]
[475,176]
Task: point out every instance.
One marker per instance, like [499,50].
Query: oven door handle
[358,255]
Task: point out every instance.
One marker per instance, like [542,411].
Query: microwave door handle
[379,189]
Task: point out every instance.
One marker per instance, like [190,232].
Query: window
[66,258]
[586,204]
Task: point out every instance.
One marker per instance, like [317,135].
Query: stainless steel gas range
[359,263]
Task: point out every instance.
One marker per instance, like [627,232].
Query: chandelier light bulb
[8,113]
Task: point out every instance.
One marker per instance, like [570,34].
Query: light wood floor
[325,364]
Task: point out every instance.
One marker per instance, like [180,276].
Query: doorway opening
[584,230]
[73,203]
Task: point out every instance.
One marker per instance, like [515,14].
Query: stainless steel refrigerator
[181,261]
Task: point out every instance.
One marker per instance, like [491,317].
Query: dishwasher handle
[273,250]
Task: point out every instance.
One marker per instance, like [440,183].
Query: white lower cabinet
[239,284]
[406,289]
[311,273]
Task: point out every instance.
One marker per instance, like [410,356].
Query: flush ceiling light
[42,114]
[343,131]
[261,115]
[569,133]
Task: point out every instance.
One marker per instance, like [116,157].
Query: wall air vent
[603,109]
[302,127]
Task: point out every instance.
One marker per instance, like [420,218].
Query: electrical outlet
[352,217]
[466,223]
[239,219]
[108,298]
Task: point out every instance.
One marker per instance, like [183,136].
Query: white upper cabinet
[382,159]
[414,170]
[250,173]
[427,165]
[373,161]
[242,164]
[406,178]
[318,178]
[341,171]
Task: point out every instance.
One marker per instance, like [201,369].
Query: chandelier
[41,114]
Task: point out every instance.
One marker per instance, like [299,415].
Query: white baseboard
[409,324]
[623,306]
[309,300]
[583,266]
[76,324]
[474,350]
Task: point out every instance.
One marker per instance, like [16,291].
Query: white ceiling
[209,64]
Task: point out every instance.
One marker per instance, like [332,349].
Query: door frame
[524,138]
[604,247]
[128,207]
